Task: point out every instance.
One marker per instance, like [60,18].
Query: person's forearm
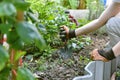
[94,25]
[116,49]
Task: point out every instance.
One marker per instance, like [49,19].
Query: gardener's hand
[96,56]
[66,34]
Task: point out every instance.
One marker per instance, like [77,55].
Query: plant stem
[19,17]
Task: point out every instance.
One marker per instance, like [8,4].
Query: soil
[66,69]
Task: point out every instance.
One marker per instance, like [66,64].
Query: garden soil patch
[66,69]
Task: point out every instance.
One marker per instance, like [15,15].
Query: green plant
[118,74]
[52,16]
[18,33]
[95,10]
[70,4]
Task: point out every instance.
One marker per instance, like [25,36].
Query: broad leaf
[7,9]
[21,4]
[24,74]
[4,28]
[14,40]
[29,33]
[18,44]
[12,36]
[5,73]
[3,57]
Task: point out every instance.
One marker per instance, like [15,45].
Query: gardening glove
[96,56]
[66,34]
[105,54]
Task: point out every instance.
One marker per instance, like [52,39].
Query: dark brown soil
[66,69]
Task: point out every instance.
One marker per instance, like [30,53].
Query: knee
[112,24]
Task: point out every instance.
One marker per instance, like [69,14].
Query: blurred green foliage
[95,10]
[18,33]
[70,4]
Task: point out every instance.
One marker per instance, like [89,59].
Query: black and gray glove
[107,53]
[66,34]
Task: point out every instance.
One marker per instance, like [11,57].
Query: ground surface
[66,69]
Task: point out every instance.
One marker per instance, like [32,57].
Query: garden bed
[56,68]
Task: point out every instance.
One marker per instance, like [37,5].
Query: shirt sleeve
[116,1]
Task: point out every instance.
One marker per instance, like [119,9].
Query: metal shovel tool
[65,52]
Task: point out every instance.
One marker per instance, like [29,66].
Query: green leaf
[32,17]
[5,28]
[29,33]
[11,19]
[41,28]
[19,54]
[7,9]
[12,36]
[3,57]
[14,40]
[21,5]
[24,74]
[5,73]
[18,44]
